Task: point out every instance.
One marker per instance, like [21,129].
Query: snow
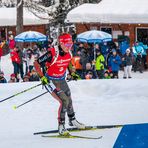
[111,11]
[96,102]
[9,19]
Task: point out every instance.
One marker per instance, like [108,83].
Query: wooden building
[127,18]
[8,22]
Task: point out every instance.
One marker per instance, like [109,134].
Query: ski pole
[20,93]
[49,87]
[15,107]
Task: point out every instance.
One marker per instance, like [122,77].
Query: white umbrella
[94,36]
[30,36]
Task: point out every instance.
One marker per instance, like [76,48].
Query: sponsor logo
[61,69]
[62,61]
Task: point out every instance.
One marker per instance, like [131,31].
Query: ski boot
[62,130]
[74,122]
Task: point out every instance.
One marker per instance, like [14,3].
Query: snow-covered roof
[111,11]
[8,17]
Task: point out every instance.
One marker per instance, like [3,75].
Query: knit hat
[66,39]
[128,50]
[12,75]
[113,50]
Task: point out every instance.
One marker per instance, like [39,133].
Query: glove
[44,80]
[74,76]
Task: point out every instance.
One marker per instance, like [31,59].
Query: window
[142,35]
[106,29]
[3,33]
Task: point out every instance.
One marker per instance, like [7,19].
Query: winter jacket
[11,44]
[114,62]
[34,77]
[100,62]
[15,57]
[30,60]
[1,51]
[127,60]
[138,50]
[1,48]
[76,62]
[84,58]
[3,80]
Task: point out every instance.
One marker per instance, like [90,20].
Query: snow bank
[111,11]
[96,102]
[8,17]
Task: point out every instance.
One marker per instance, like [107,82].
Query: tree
[19,20]
[55,10]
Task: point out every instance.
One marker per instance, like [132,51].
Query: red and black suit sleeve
[47,57]
[39,64]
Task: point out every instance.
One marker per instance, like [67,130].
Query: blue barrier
[133,136]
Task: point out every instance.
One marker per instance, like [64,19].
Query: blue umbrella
[30,36]
[94,36]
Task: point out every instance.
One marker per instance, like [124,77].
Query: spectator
[1,53]
[75,48]
[2,43]
[30,59]
[34,76]
[36,51]
[11,43]
[114,63]
[2,78]
[26,78]
[21,70]
[73,74]
[42,52]
[104,49]
[12,78]
[89,76]
[97,48]
[140,57]
[25,58]
[100,62]
[89,73]
[111,75]
[127,63]
[76,63]
[106,75]
[138,63]
[137,49]
[80,47]
[144,55]
[15,61]
[84,58]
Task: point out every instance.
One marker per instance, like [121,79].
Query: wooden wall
[39,28]
[115,27]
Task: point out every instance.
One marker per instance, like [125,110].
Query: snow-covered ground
[96,102]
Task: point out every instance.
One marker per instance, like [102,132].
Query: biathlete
[56,62]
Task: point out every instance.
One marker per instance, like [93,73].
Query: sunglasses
[68,45]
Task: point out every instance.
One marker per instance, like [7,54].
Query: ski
[74,129]
[70,136]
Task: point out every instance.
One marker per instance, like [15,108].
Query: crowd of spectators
[103,61]
[99,61]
